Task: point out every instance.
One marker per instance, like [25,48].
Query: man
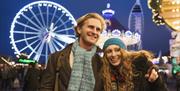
[79,62]
[32,77]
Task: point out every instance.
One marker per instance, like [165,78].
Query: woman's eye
[117,49]
[108,51]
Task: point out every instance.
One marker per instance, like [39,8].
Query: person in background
[32,78]
[128,71]
[78,64]
[176,71]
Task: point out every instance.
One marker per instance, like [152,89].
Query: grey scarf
[82,76]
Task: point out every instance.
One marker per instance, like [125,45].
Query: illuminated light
[173,2]
[178,2]
[160,6]
[159,17]
[173,10]
[44,4]
[26,61]
[59,9]
[128,34]
[39,4]
[25,9]
[177,10]
[50,5]
[108,12]
[176,22]
[177,27]
[55,7]
[116,32]
[30,7]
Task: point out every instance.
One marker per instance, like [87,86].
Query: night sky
[156,38]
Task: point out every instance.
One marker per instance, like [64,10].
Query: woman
[123,71]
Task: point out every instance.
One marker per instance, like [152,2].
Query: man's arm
[159,85]
[155,80]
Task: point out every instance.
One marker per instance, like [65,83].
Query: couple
[80,68]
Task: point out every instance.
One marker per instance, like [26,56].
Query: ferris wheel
[41,28]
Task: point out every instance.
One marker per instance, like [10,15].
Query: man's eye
[98,29]
[90,26]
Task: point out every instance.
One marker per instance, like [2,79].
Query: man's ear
[78,30]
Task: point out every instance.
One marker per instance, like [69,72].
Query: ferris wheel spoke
[64,38]
[36,18]
[52,28]
[42,18]
[23,48]
[47,17]
[34,42]
[58,19]
[46,53]
[25,39]
[56,48]
[53,15]
[65,29]
[27,46]
[39,51]
[33,50]
[51,47]
[57,42]
[25,25]
[65,35]
[63,23]
[24,32]
[31,21]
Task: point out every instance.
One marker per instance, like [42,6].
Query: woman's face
[113,54]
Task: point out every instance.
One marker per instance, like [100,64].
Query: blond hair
[81,20]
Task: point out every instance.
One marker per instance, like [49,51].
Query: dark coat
[48,77]
[32,80]
[141,66]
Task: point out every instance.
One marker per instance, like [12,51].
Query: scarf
[82,76]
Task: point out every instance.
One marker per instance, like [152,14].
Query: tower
[136,23]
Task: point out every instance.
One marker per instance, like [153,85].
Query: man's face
[90,32]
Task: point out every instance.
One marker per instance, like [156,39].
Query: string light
[165,12]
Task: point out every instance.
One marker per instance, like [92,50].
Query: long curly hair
[125,70]
[141,53]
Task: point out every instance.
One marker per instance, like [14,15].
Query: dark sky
[156,38]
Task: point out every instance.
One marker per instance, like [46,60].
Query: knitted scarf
[82,76]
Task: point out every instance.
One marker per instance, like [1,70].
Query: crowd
[20,77]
